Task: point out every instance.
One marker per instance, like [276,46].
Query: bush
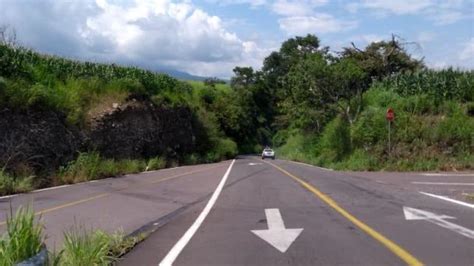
[226,149]
[11,185]
[85,248]
[457,132]
[131,166]
[359,160]
[370,128]
[335,141]
[84,168]
[155,163]
[23,239]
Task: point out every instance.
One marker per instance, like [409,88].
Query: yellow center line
[73,203]
[392,246]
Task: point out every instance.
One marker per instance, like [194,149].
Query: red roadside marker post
[390,116]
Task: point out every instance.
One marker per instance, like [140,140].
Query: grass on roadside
[91,166]
[10,184]
[83,247]
[23,239]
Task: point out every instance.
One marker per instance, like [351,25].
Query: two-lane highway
[272,212]
[283,213]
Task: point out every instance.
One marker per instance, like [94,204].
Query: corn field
[18,62]
[448,84]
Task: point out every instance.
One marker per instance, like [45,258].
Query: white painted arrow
[276,234]
[417,214]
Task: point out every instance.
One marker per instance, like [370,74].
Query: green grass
[11,185]
[155,163]
[91,166]
[83,248]
[23,239]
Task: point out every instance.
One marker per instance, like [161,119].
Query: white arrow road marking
[417,214]
[255,163]
[276,234]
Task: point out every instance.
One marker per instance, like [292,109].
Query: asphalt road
[272,212]
[351,220]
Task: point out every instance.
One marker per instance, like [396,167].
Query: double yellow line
[392,246]
[102,195]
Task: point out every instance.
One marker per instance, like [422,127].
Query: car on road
[268,153]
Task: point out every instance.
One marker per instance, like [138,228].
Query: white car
[268,153]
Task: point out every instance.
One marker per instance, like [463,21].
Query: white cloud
[315,24]
[467,53]
[441,12]
[155,34]
[296,8]
[252,3]
[398,6]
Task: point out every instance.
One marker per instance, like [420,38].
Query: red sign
[390,115]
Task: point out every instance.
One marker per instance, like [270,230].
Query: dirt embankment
[36,141]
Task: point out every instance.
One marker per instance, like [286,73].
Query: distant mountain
[181,75]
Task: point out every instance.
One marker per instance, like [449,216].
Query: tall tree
[384,58]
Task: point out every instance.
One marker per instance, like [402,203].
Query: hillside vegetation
[329,108]
[66,121]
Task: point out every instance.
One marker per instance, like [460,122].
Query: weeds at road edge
[23,239]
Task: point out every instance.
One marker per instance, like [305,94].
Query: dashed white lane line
[169,259]
[443,183]
[449,199]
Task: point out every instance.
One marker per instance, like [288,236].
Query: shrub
[226,149]
[11,185]
[156,163]
[128,166]
[359,160]
[84,248]
[23,239]
[84,168]
[457,132]
[335,141]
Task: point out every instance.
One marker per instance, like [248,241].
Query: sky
[211,37]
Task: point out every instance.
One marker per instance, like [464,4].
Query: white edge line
[50,188]
[443,183]
[445,174]
[169,259]
[8,196]
[449,199]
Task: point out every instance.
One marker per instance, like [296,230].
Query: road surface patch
[183,241]
[392,246]
[77,202]
[462,203]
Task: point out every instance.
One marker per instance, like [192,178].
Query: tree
[244,77]
[212,82]
[383,59]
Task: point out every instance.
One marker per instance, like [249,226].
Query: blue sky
[210,37]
